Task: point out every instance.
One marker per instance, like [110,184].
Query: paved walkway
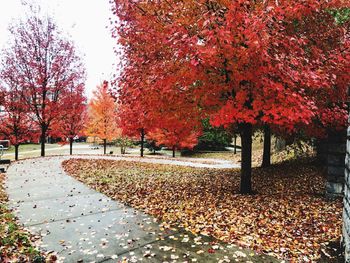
[82,225]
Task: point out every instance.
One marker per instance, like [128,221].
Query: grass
[287,217]
[33,150]
[15,243]
[31,147]
[291,152]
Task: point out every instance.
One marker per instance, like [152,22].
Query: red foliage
[71,122]
[280,63]
[45,64]
[175,136]
[16,124]
[262,62]
[132,119]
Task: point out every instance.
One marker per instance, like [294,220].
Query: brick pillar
[346,210]
[336,150]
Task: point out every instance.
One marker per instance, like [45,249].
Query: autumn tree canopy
[133,118]
[71,122]
[15,122]
[45,63]
[102,115]
[246,64]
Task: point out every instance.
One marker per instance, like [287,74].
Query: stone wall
[346,211]
[336,150]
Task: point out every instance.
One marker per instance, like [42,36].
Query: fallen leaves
[16,244]
[287,217]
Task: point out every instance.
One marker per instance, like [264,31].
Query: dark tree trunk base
[70,146]
[42,153]
[104,146]
[16,152]
[267,147]
[246,170]
[235,144]
[43,139]
[142,141]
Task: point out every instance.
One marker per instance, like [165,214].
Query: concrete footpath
[82,225]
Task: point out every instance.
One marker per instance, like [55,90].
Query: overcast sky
[85,21]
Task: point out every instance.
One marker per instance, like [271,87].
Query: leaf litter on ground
[287,217]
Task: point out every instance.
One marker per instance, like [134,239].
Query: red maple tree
[45,63]
[15,122]
[171,118]
[133,120]
[246,64]
[175,137]
[71,122]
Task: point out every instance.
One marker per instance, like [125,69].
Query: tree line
[42,80]
[42,88]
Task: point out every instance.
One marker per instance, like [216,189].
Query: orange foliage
[102,114]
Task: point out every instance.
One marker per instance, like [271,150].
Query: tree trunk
[16,151]
[246,155]
[104,146]
[70,146]
[42,140]
[174,151]
[267,147]
[142,141]
[235,144]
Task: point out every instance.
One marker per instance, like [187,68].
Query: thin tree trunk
[16,151]
[104,146]
[174,151]
[235,144]
[70,146]
[142,141]
[246,153]
[267,147]
[42,140]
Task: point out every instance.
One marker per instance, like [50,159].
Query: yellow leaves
[287,217]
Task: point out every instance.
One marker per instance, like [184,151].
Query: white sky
[85,21]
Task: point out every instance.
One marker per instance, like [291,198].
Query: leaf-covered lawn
[15,243]
[288,216]
[276,157]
